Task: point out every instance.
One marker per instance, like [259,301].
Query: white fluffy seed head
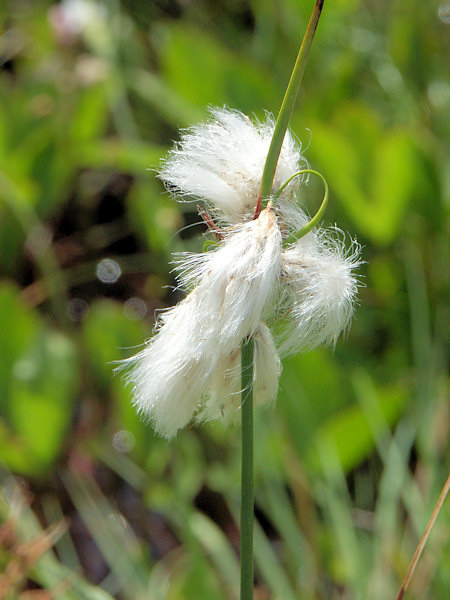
[222,160]
[191,366]
[318,289]
[233,287]
[237,281]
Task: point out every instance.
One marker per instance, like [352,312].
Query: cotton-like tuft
[318,289]
[191,368]
[233,287]
[236,282]
[221,161]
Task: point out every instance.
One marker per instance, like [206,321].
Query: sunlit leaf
[42,395]
[371,170]
[204,72]
[18,325]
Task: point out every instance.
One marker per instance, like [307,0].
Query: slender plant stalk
[423,541]
[288,103]
[247,493]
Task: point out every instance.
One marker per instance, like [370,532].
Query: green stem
[247,348]
[247,493]
[288,103]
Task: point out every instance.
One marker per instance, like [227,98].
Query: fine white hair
[233,290]
[221,161]
[318,289]
[191,368]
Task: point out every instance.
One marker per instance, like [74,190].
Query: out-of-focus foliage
[351,461]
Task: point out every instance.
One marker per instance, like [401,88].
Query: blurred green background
[351,461]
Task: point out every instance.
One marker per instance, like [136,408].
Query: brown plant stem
[423,541]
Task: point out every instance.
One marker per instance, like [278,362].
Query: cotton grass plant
[214,354]
[344,527]
[272,278]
